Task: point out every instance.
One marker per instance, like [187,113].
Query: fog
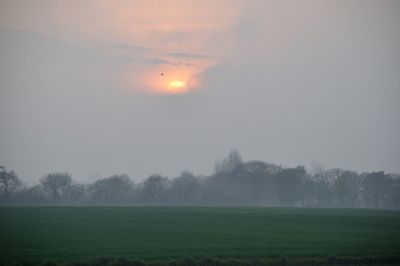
[234,182]
[282,82]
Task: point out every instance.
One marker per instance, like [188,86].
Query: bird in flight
[162,74]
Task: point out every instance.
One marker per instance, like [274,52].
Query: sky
[97,88]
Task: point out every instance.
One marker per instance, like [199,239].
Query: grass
[32,234]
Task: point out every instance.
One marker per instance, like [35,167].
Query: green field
[159,233]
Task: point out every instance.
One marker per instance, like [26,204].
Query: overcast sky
[88,86]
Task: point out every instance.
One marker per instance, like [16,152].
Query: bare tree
[58,184]
[323,187]
[9,181]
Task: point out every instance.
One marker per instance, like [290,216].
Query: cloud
[173,35]
[190,55]
[156,61]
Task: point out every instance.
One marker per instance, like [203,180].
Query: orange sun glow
[177,86]
[166,80]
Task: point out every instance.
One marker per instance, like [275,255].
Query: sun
[177,86]
[170,81]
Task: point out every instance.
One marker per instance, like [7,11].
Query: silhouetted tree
[394,192]
[323,187]
[9,181]
[153,188]
[76,193]
[35,195]
[256,175]
[305,189]
[376,187]
[186,188]
[110,190]
[234,182]
[288,182]
[346,187]
[228,164]
[58,184]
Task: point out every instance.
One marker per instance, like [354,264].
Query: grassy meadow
[33,234]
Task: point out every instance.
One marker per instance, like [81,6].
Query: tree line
[233,183]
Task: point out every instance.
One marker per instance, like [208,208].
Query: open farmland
[32,234]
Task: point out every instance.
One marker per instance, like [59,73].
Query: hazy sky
[98,88]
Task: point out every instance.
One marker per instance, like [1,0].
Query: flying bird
[162,74]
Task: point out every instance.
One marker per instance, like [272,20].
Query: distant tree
[288,182]
[76,193]
[35,195]
[58,184]
[305,189]
[186,188]
[112,189]
[346,187]
[9,181]
[323,187]
[234,182]
[153,188]
[376,187]
[228,164]
[256,175]
[224,188]
[394,192]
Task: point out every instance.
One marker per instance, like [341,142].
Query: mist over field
[233,183]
